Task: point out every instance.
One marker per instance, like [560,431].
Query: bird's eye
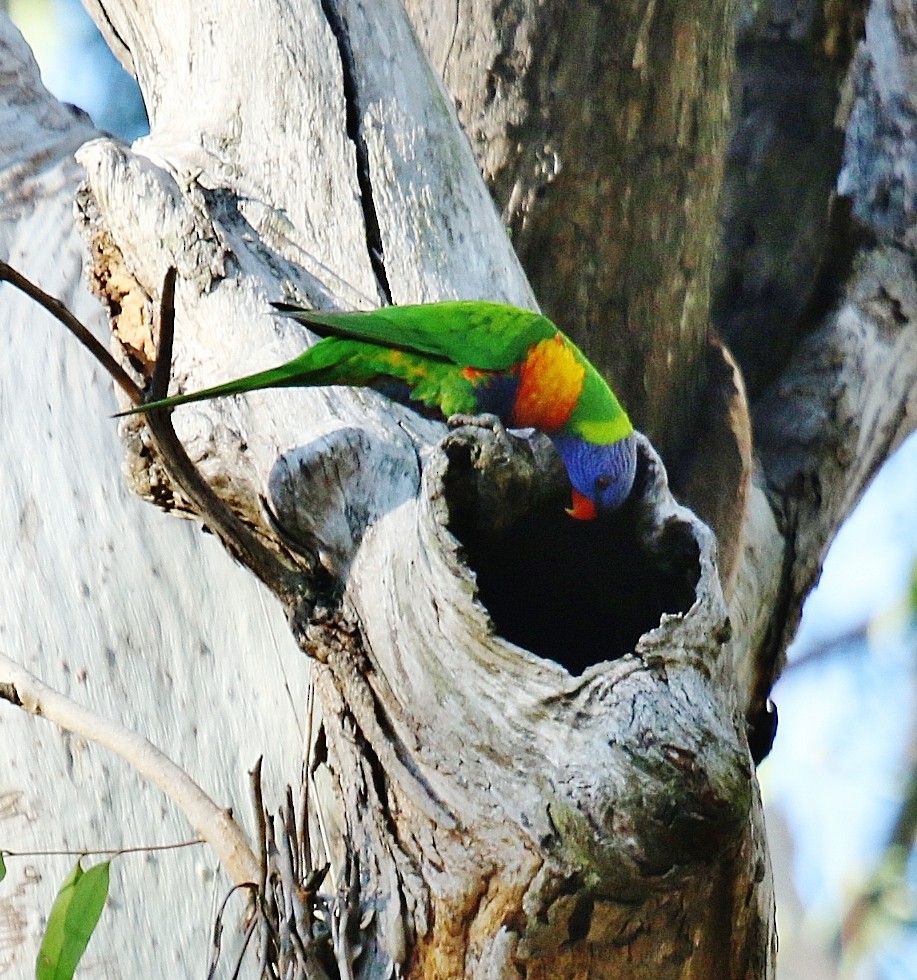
[602,482]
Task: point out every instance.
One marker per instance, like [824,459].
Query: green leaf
[2,867]
[73,918]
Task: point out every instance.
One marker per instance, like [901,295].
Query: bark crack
[354,130]
[8,692]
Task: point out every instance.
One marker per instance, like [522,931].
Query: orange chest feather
[550,383]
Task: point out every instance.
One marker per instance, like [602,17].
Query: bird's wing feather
[477,334]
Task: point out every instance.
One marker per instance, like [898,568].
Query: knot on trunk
[325,494]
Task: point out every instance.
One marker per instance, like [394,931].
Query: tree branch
[215,825]
[60,312]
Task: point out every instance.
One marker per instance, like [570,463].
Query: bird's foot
[502,445]
[486,420]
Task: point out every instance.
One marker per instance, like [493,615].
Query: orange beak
[583,508]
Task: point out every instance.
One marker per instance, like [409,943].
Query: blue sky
[846,735]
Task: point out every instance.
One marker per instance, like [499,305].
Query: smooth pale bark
[132,614]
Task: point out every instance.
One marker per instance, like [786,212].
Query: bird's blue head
[602,475]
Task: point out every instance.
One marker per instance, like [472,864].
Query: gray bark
[600,129]
[497,809]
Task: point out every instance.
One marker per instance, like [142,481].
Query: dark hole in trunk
[577,592]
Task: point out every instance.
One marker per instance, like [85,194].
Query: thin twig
[162,369]
[293,920]
[99,851]
[60,312]
[270,954]
[288,585]
[217,941]
[260,823]
[292,834]
[214,824]
[305,841]
[249,932]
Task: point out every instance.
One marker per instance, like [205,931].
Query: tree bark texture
[814,286]
[533,736]
[135,615]
[631,101]
[796,244]
[625,103]
[500,812]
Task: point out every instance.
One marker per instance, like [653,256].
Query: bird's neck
[569,447]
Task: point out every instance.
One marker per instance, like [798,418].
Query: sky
[77,66]
[846,730]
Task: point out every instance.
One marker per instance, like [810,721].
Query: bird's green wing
[469,333]
[410,353]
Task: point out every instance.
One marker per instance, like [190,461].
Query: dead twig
[212,822]
[60,312]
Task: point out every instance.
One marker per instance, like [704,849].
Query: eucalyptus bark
[579,802]
[499,811]
[601,130]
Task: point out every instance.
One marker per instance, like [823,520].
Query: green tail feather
[340,359]
[286,376]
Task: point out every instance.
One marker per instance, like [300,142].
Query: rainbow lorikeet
[469,357]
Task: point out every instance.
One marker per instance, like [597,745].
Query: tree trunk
[135,615]
[533,733]
[499,810]
[601,130]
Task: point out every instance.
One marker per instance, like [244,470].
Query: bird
[467,358]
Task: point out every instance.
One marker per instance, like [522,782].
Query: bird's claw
[491,423]
[486,420]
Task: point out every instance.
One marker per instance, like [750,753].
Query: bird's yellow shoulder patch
[550,383]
